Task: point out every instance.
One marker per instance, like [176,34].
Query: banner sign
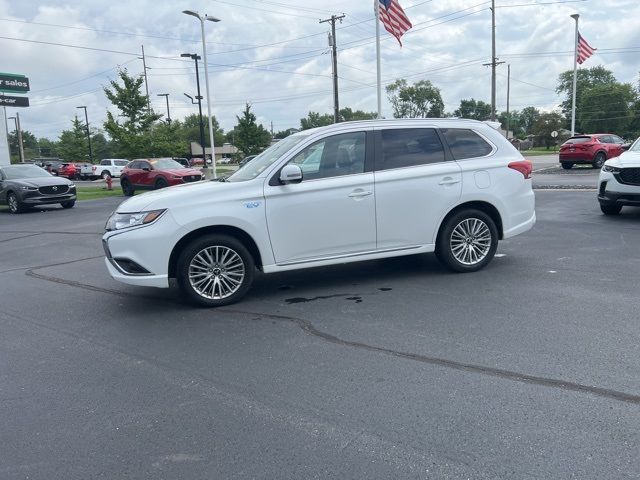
[13,83]
[6,101]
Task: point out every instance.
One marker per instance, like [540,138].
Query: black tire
[216,272]
[15,205]
[127,188]
[105,174]
[487,240]
[567,165]
[161,183]
[599,160]
[68,204]
[609,209]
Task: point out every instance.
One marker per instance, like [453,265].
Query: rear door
[416,183]
[135,173]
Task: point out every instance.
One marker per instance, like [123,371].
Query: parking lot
[386,369]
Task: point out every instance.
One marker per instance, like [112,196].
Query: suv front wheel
[215,270]
[468,241]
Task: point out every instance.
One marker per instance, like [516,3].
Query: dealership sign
[6,101]
[10,82]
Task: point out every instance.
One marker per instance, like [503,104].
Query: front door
[332,211]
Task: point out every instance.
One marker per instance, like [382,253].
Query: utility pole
[508,88]
[271,128]
[334,56]
[19,128]
[86,118]
[494,60]
[195,57]
[146,81]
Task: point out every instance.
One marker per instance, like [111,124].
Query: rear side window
[105,162]
[408,147]
[465,143]
[121,163]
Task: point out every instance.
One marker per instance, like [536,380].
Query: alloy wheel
[470,241]
[14,206]
[216,272]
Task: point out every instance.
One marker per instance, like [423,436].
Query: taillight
[525,167]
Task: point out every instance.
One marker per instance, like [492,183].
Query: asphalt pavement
[383,369]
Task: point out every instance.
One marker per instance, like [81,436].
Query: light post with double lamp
[86,118]
[202,18]
[196,57]
[166,96]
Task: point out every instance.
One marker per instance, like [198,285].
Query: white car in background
[619,182]
[111,167]
[348,192]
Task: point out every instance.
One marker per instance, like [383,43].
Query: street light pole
[202,18]
[166,96]
[196,57]
[19,133]
[86,118]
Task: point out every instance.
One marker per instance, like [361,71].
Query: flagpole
[376,8]
[575,16]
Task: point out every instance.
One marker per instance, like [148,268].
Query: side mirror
[291,174]
[146,169]
[626,146]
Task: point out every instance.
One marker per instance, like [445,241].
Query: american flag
[393,18]
[584,49]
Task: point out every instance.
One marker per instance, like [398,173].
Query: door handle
[449,181]
[359,194]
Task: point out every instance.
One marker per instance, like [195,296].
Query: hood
[627,159]
[180,195]
[41,181]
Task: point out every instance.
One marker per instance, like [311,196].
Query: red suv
[69,170]
[154,173]
[593,148]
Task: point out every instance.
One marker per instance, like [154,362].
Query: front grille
[192,178]
[54,190]
[630,176]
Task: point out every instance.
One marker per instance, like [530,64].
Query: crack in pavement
[308,328]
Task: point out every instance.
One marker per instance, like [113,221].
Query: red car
[154,173]
[593,148]
[69,170]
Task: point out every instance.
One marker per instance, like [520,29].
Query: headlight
[72,185]
[610,169]
[29,189]
[118,221]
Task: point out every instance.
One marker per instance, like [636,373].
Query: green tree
[101,147]
[72,144]
[514,122]
[349,115]
[547,123]
[47,148]
[250,138]
[473,109]
[131,136]
[190,130]
[314,119]
[422,99]
[528,118]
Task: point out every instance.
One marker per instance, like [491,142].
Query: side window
[616,140]
[408,147]
[104,162]
[333,156]
[121,163]
[135,165]
[465,143]
[605,139]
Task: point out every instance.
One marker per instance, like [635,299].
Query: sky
[274,54]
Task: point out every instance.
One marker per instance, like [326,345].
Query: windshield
[635,147]
[255,167]
[164,163]
[16,172]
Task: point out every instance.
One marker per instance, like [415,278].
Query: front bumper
[612,192]
[146,248]
[48,199]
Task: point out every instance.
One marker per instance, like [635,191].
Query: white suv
[112,167]
[619,182]
[344,193]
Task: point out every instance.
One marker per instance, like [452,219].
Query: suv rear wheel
[468,241]
[215,270]
[105,174]
[127,188]
[567,165]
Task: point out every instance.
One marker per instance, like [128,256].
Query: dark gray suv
[23,186]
